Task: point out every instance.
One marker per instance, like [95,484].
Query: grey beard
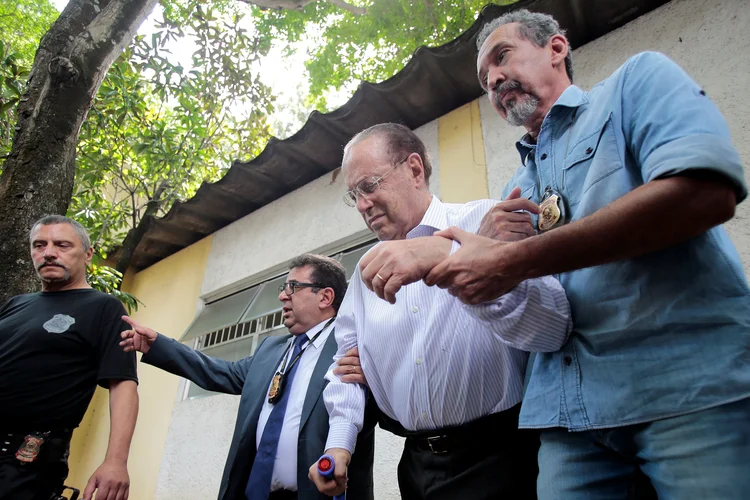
[520,110]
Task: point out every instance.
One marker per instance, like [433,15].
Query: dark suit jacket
[251,377]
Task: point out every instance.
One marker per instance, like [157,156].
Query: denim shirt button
[568,360]
[544,156]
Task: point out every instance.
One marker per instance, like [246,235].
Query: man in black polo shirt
[55,347]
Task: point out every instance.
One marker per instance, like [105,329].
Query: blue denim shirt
[660,335]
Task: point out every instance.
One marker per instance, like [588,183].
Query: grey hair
[49,220]
[400,141]
[535,27]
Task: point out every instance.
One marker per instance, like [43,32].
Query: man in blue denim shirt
[634,180]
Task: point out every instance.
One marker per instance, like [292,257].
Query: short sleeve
[5,306]
[671,126]
[114,363]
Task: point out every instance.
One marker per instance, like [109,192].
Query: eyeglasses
[368,185]
[291,286]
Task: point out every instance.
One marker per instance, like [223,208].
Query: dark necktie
[259,483]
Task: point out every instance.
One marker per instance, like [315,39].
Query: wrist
[514,260]
[522,257]
[339,453]
[116,460]
[443,248]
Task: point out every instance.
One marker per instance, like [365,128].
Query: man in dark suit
[282,423]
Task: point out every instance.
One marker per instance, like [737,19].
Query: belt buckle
[434,443]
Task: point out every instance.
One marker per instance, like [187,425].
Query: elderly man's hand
[393,264]
[337,484]
[510,220]
[349,368]
[479,271]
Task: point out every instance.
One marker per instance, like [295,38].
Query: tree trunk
[37,179]
[135,235]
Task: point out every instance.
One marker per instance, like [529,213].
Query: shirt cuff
[342,435]
[455,245]
[155,350]
[697,152]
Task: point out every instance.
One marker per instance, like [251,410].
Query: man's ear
[416,166]
[89,256]
[326,298]
[559,48]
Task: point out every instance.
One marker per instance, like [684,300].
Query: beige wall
[169,291]
[461,146]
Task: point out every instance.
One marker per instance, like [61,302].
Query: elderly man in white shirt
[446,375]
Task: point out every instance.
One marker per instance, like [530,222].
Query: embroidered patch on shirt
[59,323]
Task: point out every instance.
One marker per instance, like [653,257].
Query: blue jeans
[703,455]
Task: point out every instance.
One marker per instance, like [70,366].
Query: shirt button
[414,309]
[544,156]
[568,360]
[419,361]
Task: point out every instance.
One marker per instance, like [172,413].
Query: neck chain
[278,383]
[552,207]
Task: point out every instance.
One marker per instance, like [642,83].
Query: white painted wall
[196,448]
[714,48]
[710,40]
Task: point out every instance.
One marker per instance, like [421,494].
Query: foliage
[159,127]
[22,24]
[157,131]
[12,78]
[106,279]
[371,47]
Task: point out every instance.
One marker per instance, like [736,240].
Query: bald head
[387,180]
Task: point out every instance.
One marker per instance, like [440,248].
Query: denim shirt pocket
[592,159]
[528,192]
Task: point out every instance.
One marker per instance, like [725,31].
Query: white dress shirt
[285,466]
[432,361]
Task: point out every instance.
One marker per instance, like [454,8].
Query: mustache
[51,264]
[505,87]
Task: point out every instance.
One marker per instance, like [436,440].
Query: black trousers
[41,479]
[488,459]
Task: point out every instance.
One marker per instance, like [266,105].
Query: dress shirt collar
[323,336]
[435,219]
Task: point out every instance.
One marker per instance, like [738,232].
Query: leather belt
[470,434]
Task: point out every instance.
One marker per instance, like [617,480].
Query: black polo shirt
[54,348]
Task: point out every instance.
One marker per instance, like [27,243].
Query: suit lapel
[261,377]
[317,380]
